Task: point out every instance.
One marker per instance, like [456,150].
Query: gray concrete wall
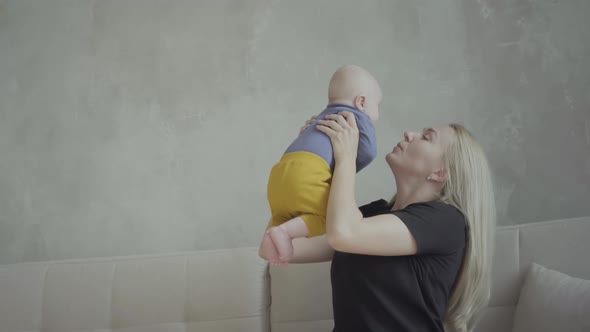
[147,126]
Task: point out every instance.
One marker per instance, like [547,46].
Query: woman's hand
[307,124]
[344,134]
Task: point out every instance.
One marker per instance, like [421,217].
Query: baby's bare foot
[279,263]
[282,242]
[268,250]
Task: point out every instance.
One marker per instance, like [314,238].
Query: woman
[420,262]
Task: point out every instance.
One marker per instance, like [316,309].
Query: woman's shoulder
[439,207]
[434,207]
[439,210]
[438,227]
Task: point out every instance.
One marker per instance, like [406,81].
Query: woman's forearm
[311,250]
[342,213]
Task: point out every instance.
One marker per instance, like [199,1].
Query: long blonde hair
[469,188]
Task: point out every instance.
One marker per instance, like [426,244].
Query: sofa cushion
[496,319]
[21,300]
[301,297]
[552,301]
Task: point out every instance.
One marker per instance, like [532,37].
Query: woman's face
[420,154]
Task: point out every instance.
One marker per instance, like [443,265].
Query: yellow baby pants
[299,186]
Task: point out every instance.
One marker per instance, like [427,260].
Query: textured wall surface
[147,126]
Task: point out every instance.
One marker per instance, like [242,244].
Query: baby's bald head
[353,85]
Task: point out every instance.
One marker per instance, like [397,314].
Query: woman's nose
[407,136]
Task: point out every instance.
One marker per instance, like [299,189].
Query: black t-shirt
[401,293]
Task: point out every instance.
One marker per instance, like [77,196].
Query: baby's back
[314,141]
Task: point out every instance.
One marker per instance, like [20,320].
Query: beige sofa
[230,290]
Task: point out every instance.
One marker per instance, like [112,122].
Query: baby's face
[372,107]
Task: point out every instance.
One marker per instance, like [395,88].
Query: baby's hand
[307,124]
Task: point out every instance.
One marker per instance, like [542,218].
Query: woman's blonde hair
[469,188]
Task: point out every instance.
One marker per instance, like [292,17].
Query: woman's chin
[390,158]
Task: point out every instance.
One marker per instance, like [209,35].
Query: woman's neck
[409,193]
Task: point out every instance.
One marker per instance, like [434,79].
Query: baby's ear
[360,102]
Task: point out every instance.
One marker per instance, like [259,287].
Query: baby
[299,184]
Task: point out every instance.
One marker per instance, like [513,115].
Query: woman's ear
[440,175]
[360,102]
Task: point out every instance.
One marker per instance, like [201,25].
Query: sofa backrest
[206,291]
[301,294]
[229,290]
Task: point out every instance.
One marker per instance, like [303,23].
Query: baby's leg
[268,250]
[283,234]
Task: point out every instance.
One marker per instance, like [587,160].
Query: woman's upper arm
[381,235]
[421,228]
